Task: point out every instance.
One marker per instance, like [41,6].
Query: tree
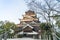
[45,8]
[58,0]
[1,27]
[57,18]
[8,27]
[45,29]
[57,30]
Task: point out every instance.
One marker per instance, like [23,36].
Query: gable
[28,26]
[27,29]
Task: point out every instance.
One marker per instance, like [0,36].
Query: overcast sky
[12,10]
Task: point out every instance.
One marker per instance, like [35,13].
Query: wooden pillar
[34,36]
[40,37]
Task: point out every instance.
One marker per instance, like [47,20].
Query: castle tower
[29,17]
[29,24]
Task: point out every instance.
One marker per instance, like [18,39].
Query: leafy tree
[9,25]
[57,18]
[1,27]
[45,29]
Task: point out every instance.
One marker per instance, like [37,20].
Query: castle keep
[29,25]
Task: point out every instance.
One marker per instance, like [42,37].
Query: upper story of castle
[29,16]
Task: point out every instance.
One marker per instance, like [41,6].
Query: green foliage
[11,35]
[6,26]
[9,25]
[42,25]
[45,29]
[45,26]
[1,31]
[58,23]
[58,34]
[1,27]
[57,19]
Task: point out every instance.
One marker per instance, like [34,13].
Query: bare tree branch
[44,9]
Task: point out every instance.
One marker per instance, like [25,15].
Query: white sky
[12,10]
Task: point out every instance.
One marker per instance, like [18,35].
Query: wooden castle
[29,25]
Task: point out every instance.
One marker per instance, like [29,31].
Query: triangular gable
[28,32]
[33,22]
[28,26]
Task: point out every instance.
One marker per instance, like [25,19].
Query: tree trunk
[48,37]
[51,37]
